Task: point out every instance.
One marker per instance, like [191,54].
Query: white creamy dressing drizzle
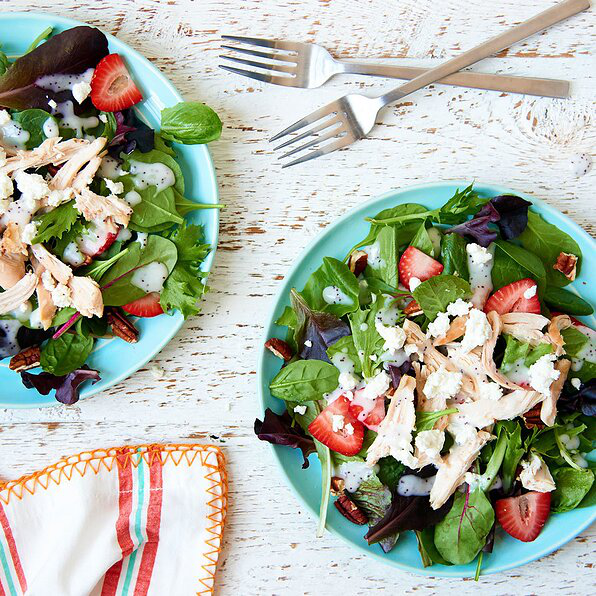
[354,473]
[397,358]
[142,239]
[110,168]
[63,82]
[343,363]
[35,319]
[151,174]
[50,128]
[8,335]
[123,235]
[72,255]
[518,372]
[480,278]
[414,486]
[23,312]
[588,352]
[13,135]
[364,402]
[374,256]
[389,315]
[70,120]
[333,295]
[132,198]
[18,213]
[150,277]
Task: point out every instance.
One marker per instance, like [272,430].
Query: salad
[92,208]
[442,378]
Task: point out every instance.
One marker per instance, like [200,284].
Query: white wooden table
[209,393]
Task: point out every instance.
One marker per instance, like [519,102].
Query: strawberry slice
[97,239]
[146,306]
[510,298]
[341,440]
[374,417]
[112,87]
[524,517]
[415,263]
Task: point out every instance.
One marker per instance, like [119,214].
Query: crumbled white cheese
[414,283]
[32,186]
[29,232]
[116,188]
[459,308]
[157,372]
[438,327]
[308,343]
[530,292]
[488,390]
[349,429]
[478,330]
[103,118]
[61,295]
[6,187]
[300,410]
[347,381]
[535,475]
[4,117]
[394,337]
[48,281]
[57,197]
[474,481]
[542,373]
[337,422]
[461,430]
[80,91]
[576,383]
[376,386]
[52,104]
[442,384]
[478,254]
[374,357]
[430,443]
[410,349]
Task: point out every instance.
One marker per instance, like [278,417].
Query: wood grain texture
[440,133]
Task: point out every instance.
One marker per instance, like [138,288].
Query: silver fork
[308,65]
[352,117]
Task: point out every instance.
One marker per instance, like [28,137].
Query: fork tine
[290,69]
[310,119]
[330,148]
[268,55]
[330,135]
[289,46]
[251,75]
[311,131]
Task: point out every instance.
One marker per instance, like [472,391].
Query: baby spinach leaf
[511,430]
[460,536]
[426,420]
[184,206]
[586,372]
[190,123]
[161,145]
[344,348]
[65,354]
[547,241]
[33,121]
[367,340]
[575,341]
[567,302]
[517,350]
[454,256]
[427,549]
[304,380]
[390,471]
[332,275]
[422,241]
[512,263]
[4,63]
[56,222]
[572,486]
[436,293]
[388,241]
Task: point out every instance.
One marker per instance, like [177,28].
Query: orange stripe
[12,547]
[153,525]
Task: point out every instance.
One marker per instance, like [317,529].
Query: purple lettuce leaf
[513,213]
[131,133]
[477,227]
[278,430]
[579,400]
[66,386]
[397,372]
[71,52]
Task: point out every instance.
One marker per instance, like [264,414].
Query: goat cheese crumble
[337,422]
[488,390]
[438,327]
[378,385]
[530,292]
[542,374]
[300,410]
[414,283]
[394,337]
[81,91]
[443,384]
[478,330]
[459,308]
[478,254]
[430,443]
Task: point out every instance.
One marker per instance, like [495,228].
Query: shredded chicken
[535,475]
[12,269]
[47,308]
[455,464]
[455,331]
[526,327]
[11,242]
[548,411]
[553,335]
[94,206]
[17,294]
[67,173]
[394,436]
[86,296]
[61,271]
[51,151]
[86,175]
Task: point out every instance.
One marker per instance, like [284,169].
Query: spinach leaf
[65,354]
[190,123]
[184,206]
[55,223]
[324,455]
[367,340]
[574,340]
[344,349]
[454,256]
[33,121]
[568,302]
[304,380]
[161,145]
[334,278]
[422,241]
[547,241]
[98,268]
[460,536]
[427,549]
[390,471]
[436,293]
[517,350]
[513,453]
[512,263]
[572,486]
[426,420]
[4,63]
[586,372]
[388,242]
[110,126]
[43,35]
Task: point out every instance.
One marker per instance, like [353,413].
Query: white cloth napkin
[123,521]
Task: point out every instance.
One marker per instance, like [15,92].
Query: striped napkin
[122,521]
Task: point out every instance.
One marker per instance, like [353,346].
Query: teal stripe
[7,573]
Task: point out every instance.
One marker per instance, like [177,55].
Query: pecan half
[28,358]
[350,510]
[279,348]
[532,417]
[122,327]
[337,486]
[567,265]
[412,309]
[358,261]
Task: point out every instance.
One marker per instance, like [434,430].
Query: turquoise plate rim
[336,524]
[210,217]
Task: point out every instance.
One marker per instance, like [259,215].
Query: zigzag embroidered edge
[211,457]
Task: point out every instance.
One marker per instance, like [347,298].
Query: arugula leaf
[190,123]
[511,429]
[516,350]
[547,241]
[512,263]
[574,340]
[436,293]
[77,229]
[426,420]
[572,486]
[110,126]
[454,256]
[55,223]
[33,122]
[65,354]
[343,349]
[305,380]
[567,302]
[185,284]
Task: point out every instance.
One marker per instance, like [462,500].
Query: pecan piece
[358,261]
[122,327]
[337,486]
[26,359]
[412,309]
[567,265]
[350,510]
[280,348]
[532,417]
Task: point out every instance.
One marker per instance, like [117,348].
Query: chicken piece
[490,368]
[51,151]
[12,270]
[526,327]
[17,294]
[86,296]
[94,206]
[47,308]
[455,464]
[67,173]
[53,264]
[535,475]
[395,431]
[11,242]
[484,412]
[553,335]
[85,176]
[455,331]
[548,411]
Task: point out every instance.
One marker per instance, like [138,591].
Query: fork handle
[475,80]
[541,21]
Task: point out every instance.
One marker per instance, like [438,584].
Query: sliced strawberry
[374,417]
[112,87]
[97,239]
[524,517]
[147,306]
[415,263]
[510,298]
[321,428]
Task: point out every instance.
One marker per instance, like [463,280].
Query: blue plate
[336,241]
[116,359]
